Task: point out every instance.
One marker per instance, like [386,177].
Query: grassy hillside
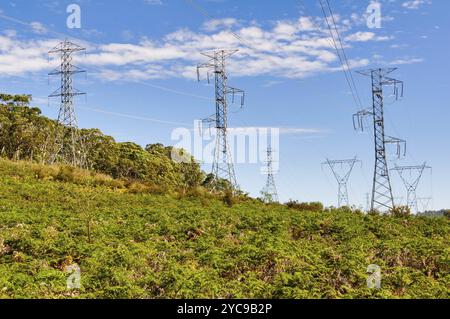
[139,245]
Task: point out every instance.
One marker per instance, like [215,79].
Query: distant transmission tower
[223,168]
[425,203]
[411,176]
[342,169]
[382,198]
[367,201]
[270,193]
[68,143]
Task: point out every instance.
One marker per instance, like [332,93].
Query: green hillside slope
[138,245]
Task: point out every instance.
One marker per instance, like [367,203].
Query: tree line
[25,134]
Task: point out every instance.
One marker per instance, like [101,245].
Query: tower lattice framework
[382,195]
[411,182]
[342,169]
[69,148]
[270,192]
[223,167]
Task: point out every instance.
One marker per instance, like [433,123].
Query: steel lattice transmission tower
[223,168]
[270,193]
[382,198]
[342,169]
[69,147]
[411,176]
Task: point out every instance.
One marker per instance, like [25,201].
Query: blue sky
[141,84]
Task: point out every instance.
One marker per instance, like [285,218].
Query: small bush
[228,198]
[447,213]
[374,212]
[45,172]
[82,177]
[305,207]
[400,211]
[118,183]
[155,190]
[66,174]
[102,180]
[137,188]
[197,192]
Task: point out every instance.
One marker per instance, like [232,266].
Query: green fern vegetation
[141,226]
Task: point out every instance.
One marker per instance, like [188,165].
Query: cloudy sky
[142,84]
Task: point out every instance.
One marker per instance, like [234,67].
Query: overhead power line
[133,117]
[340,50]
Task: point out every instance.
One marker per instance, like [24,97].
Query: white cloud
[366,36]
[415,4]
[20,57]
[216,24]
[38,27]
[406,60]
[153,2]
[289,49]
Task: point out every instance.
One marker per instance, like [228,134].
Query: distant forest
[438,213]
[25,134]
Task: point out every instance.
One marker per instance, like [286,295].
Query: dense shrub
[158,246]
[228,198]
[400,211]
[305,207]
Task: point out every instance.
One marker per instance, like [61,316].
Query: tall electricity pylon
[382,198]
[223,168]
[411,182]
[69,147]
[342,169]
[270,193]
